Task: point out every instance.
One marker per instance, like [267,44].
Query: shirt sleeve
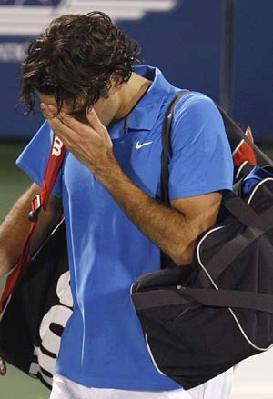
[202,161]
[34,158]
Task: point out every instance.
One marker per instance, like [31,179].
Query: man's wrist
[108,171]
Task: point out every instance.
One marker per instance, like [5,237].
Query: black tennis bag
[202,319]
[36,302]
[38,311]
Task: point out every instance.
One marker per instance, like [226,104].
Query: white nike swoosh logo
[138,146]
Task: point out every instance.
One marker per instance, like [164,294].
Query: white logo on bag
[58,314]
[138,145]
[57,147]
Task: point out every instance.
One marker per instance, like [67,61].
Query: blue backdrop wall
[183,38]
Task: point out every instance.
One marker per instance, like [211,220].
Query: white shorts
[217,388]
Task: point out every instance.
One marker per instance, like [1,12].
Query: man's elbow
[183,255]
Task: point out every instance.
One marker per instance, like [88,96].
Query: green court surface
[12,184]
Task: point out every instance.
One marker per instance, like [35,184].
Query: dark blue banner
[183,38]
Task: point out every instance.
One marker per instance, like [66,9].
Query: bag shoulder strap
[167,147]
[40,201]
[165,260]
[55,161]
[209,297]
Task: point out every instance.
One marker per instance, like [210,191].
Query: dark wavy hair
[76,58]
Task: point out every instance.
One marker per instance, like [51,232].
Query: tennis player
[108,111]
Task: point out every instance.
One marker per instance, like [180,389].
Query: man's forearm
[165,226]
[14,230]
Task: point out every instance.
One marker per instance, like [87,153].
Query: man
[109,114]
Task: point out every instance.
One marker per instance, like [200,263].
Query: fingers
[94,121]
[60,129]
[49,111]
[88,142]
[59,121]
[69,129]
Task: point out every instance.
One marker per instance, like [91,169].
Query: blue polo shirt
[103,345]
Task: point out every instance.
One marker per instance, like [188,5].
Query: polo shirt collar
[145,114]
